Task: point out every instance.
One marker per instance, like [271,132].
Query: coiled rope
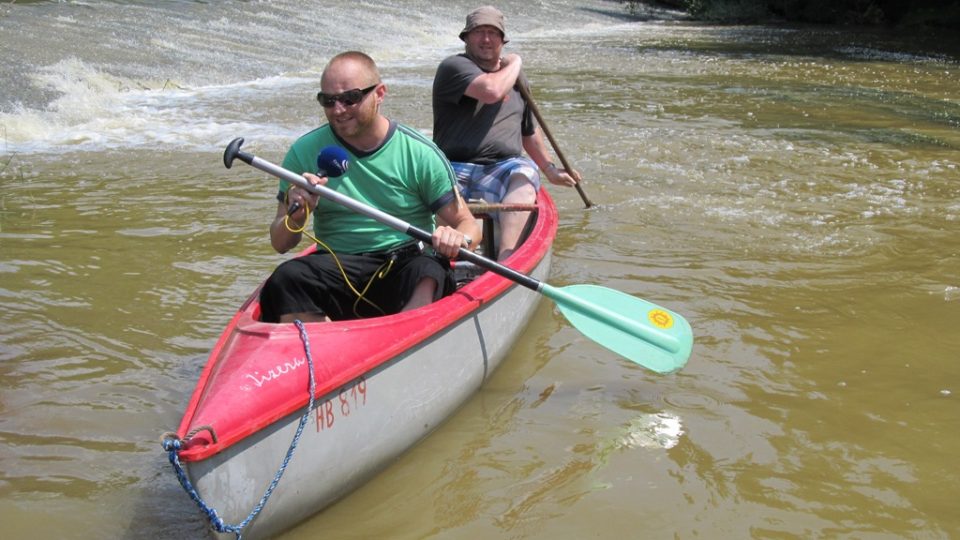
[172,444]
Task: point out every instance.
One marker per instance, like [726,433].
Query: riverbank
[902,14]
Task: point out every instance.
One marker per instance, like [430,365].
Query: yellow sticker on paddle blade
[660,318]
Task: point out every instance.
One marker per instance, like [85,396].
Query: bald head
[351,69]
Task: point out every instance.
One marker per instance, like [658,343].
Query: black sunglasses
[348,98]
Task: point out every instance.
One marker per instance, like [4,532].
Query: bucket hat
[484,16]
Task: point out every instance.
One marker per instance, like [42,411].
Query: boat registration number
[349,400]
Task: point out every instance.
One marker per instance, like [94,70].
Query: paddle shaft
[233,151]
[556,148]
[676,348]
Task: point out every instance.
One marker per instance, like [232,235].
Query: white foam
[188,73]
[660,430]
[96,111]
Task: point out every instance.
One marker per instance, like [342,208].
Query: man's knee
[427,284]
[520,190]
[423,294]
[277,282]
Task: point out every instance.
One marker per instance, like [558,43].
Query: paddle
[556,148]
[640,331]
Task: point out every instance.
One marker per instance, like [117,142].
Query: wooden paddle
[647,334]
[556,148]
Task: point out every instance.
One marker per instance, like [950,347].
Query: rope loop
[169,441]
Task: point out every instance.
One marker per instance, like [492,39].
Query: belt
[404,251]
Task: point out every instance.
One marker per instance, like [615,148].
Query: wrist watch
[467,240]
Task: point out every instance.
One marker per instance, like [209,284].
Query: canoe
[381,385]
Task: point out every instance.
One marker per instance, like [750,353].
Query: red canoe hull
[381,385]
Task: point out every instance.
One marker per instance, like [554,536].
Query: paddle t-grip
[233,152]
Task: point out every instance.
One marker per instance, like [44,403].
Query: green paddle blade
[643,332]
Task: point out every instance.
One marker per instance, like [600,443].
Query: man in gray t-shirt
[483,125]
[468,130]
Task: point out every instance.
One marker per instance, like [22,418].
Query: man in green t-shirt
[362,268]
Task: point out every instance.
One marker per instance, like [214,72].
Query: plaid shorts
[490,182]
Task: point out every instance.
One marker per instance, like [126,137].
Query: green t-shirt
[407,177]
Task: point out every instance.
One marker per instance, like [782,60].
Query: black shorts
[314,283]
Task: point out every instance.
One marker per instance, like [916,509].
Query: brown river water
[793,192]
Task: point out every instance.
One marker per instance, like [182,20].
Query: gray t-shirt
[469,131]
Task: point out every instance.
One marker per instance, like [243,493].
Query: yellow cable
[380,273]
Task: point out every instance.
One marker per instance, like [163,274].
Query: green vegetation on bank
[912,13]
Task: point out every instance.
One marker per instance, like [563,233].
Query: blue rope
[172,446]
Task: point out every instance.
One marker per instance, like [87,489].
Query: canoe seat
[486,212]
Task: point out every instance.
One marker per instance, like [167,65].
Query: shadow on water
[160,506]
[831,43]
